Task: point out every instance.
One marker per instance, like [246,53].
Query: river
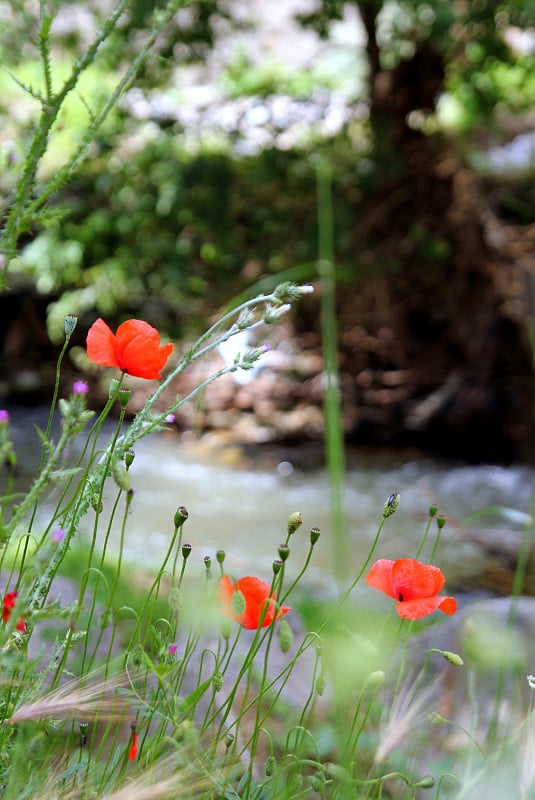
[240,502]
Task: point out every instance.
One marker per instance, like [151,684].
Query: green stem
[334,436]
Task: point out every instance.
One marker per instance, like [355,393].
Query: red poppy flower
[413,585]
[256,594]
[135,348]
[9,605]
[132,753]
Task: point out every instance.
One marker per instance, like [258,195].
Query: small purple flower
[80,387]
[172,649]
[4,416]
[170,418]
[57,534]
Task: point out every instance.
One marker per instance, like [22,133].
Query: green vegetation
[114,209]
[194,682]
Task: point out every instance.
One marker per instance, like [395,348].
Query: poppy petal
[101,344]
[139,351]
[416,609]
[256,594]
[380,576]
[225,590]
[413,580]
[448,605]
[8,605]
[132,753]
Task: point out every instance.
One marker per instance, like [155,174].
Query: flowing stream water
[241,503]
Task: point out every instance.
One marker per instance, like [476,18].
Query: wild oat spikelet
[179,783]
[405,716]
[87,698]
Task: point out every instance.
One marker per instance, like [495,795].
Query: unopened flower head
[4,417]
[273,314]
[292,291]
[285,636]
[452,658]
[295,521]
[391,504]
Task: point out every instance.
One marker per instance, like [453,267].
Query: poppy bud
[317,782]
[441,521]
[225,629]
[295,521]
[181,515]
[427,782]
[217,681]
[452,658]
[320,685]
[270,766]
[337,772]
[138,655]
[121,476]
[285,636]
[71,321]
[296,782]
[220,555]
[375,679]
[175,600]
[238,603]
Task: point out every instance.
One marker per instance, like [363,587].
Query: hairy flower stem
[201,347]
[42,480]
[22,207]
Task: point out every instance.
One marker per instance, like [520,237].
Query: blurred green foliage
[187,230]
[149,215]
